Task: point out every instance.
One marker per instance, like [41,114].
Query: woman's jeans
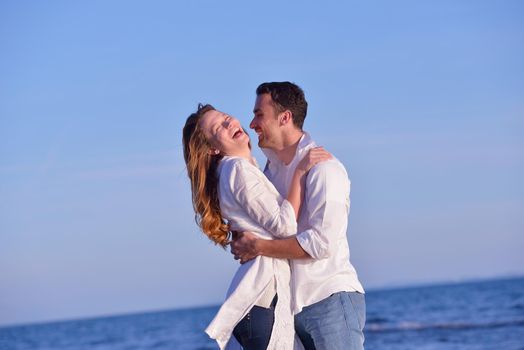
[336,322]
[254,330]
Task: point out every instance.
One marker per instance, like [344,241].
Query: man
[328,298]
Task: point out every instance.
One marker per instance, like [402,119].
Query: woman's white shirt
[250,202]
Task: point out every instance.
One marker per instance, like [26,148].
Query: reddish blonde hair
[202,171]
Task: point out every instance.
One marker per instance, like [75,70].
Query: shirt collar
[253,160]
[304,144]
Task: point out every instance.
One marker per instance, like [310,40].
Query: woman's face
[224,132]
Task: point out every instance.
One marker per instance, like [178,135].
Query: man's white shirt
[322,226]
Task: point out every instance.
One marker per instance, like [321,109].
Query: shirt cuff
[311,244]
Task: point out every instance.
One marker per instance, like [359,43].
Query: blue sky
[422,101]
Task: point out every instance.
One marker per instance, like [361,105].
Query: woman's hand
[313,157]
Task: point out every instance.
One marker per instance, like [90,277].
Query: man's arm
[246,247]
[328,206]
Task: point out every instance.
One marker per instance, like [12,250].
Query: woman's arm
[260,200]
[256,196]
[295,194]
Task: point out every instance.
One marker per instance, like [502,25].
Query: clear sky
[423,101]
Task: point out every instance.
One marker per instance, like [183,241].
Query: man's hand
[244,246]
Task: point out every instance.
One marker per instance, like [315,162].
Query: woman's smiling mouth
[237,133]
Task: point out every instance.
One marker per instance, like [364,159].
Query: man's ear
[286,117]
[213,151]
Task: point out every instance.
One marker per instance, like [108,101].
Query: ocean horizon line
[387,287]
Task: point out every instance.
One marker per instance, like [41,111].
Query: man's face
[265,122]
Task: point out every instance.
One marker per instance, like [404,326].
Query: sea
[472,315]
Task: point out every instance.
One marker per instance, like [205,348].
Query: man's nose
[252,124]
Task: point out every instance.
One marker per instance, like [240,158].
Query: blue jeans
[336,322]
[254,330]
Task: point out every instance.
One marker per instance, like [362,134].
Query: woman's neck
[243,153]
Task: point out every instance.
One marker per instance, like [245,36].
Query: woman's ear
[213,151]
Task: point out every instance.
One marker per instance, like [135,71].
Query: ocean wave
[518,306]
[377,320]
[417,326]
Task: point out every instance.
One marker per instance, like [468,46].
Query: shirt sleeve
[327,204]
[253,191]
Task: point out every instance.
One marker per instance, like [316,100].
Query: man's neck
[289,147]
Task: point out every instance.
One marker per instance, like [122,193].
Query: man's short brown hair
[286,96]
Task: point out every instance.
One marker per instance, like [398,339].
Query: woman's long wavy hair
[202,171]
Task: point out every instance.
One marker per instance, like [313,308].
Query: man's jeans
[336,322]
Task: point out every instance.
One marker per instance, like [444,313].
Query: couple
[295,287]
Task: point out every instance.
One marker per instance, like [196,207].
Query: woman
[227,185]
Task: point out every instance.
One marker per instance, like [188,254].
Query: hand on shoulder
[313,157]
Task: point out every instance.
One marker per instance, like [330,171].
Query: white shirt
[250,202]
[322,226]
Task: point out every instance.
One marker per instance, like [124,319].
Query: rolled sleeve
[327,204]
